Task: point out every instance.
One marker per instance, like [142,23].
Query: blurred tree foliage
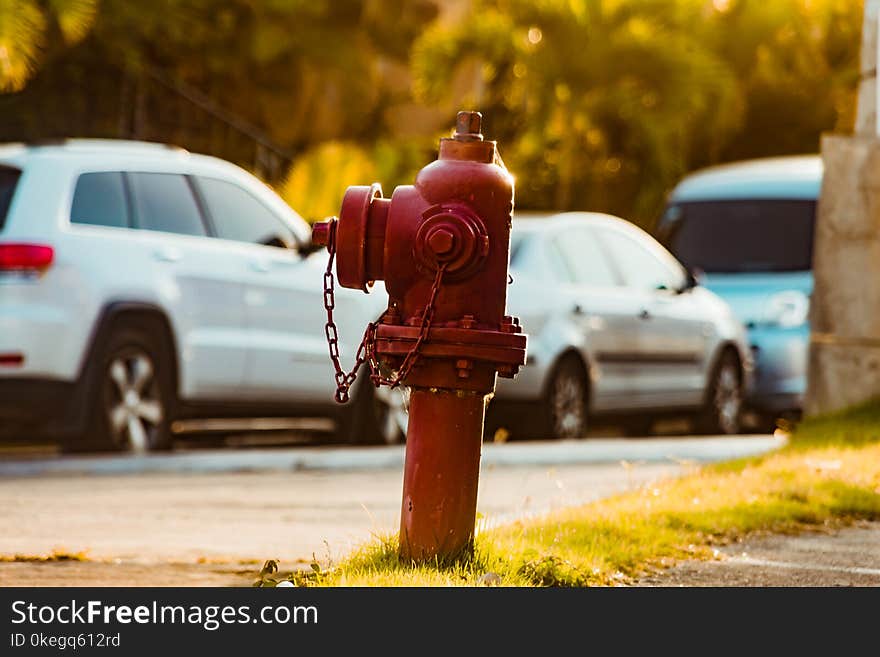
[597,104]
[604,104]
[214,76]
[27,26]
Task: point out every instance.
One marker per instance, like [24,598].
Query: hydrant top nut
[468,126]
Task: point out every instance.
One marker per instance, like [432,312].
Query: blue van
[747,229]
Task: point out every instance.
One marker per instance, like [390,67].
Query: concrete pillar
[866,113]
[844,360]
[844,363]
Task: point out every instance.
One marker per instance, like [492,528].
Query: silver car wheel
[133,403]
[568,404]
[728,398]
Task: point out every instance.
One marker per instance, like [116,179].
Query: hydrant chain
[410,360]
[344,380]
[366,350]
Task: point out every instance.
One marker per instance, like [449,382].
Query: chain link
[366,352]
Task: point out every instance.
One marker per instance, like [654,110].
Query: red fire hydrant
[442,248]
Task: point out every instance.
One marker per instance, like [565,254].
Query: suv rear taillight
[25,257]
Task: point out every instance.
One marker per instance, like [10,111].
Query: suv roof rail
[80,143]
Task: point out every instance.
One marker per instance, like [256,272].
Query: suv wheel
[131,410]
[391,408]
[375,416]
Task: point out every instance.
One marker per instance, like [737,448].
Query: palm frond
[22,30]
[74,17]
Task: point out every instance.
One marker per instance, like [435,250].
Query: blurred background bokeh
[598,104]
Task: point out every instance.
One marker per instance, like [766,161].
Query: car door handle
[167,254]
[645,314]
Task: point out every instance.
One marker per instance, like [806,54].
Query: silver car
[617,328]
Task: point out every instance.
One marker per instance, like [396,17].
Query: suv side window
[165,202]
[238,215]
[99,200]
[639,266]
[582,257]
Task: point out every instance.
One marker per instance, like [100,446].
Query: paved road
[232,507]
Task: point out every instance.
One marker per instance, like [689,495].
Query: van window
[741,236]
[165,202]
[237,215]
[8,182]
[99,200]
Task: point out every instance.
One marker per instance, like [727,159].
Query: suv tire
[374,417]
[130,395]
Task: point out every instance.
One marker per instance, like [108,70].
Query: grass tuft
[55,555]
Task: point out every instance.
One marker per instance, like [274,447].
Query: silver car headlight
[787,309]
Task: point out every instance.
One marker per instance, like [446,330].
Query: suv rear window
[741,236]
[8,182]
[99,200]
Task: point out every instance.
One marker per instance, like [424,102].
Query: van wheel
[565,403]
[132,395]
[722,411]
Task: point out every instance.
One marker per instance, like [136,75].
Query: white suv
[141,284]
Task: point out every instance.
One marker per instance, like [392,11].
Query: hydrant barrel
[440,475]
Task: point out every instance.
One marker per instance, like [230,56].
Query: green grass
[827,476]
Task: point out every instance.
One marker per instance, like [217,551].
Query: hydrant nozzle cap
[468,126]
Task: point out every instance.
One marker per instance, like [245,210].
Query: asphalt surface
[210,517]
[842,557]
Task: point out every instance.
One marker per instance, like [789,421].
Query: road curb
[649,450]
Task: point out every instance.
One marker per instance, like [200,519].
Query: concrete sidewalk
[845,557]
